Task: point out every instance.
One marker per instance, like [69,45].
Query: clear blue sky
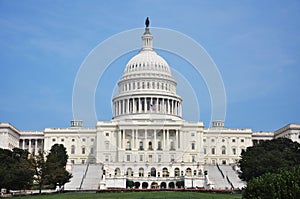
[255,44]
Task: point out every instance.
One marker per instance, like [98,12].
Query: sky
[254,44]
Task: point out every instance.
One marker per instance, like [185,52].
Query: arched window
[223,150]
[213,151]
[73,149]
[141,172]
[165,172]
[153,172]
[117,172]
[193,145]
[129,172]
[150,145]
[176,172]
[188,172]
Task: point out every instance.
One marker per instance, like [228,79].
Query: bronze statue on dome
[147,22]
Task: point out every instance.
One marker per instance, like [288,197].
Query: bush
[285,184]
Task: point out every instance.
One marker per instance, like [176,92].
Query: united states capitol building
[147,141]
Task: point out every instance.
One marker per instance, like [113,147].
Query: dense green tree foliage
[268,157]
[16,171]
[39,164]
[55,167]
[285,184]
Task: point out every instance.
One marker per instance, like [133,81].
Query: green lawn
[137,195]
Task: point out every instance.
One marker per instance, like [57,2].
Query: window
[106,134]
[106,158]
[159,158]
[193,134]
[92,150]
[204,140]
[141,158]
[83,150]
[106,145]
[53,140]
[172,147]
[193,146]
[193,158]
[242,140]
[82,161]
[73,140]
[204,151]
[72,161]
[212,140]
[128,145]
[223,140]
[213,151]
[159,145]
[233,140]
[141,172]
[62,139]
[83,139]
[150,158]
[92,139]
[223,150]
[172,158]
[141,145]
[234,151]
[128,158]
[73,149]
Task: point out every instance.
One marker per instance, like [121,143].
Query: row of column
[33,144]
[135,139]
[147,105]
[147,85]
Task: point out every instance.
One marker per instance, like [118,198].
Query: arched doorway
[150,146]
[154,185]
[171,185]
[163,185]
[145,185]
[153,172]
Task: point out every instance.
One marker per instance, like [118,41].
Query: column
[136,138]
[146,140]
[123,106]
[155,143]
[119,139]
[127,107]
[134,105]
[35,146]
[164,139]
[123,141]
[23,144]
[177,138]
[168,104]
[119,109]
[29,147]
[168,137]
[151,104]
[140,105]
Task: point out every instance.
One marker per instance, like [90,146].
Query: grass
[137,195]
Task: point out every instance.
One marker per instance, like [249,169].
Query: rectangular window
[106,145]
[106,134]
[172,158]
[242,140]
[106,158]
[83,139]
[213,151]
[193,159]
[204,151]
[233,140]
[193,146]
[82,161]
[234,151]
[92,150]
[159,158]
[141,158]
[83,150]
[72,161]
[128,158]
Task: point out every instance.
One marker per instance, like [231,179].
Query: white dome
[147,60]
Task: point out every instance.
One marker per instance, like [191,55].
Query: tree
[16,171]
[285,184]
[269,156]
[39,165]
[55,167]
